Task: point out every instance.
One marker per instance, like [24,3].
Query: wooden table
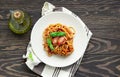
[102,57]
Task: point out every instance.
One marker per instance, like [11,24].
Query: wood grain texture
[102,46]
[100,66]
[102,57]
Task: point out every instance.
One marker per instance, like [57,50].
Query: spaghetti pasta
[60,39]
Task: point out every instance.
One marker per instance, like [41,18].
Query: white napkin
[34,63]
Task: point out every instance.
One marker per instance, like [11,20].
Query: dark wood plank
[101,19]
[103,46]
[80,10]
[99,66]
[63,2]
[91,66]
[34,7]
[13,65]
[96,45]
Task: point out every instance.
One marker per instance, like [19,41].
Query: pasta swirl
[61,39]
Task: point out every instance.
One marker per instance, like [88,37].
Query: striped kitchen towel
[34,63]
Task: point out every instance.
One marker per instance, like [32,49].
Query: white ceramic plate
[78,43]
